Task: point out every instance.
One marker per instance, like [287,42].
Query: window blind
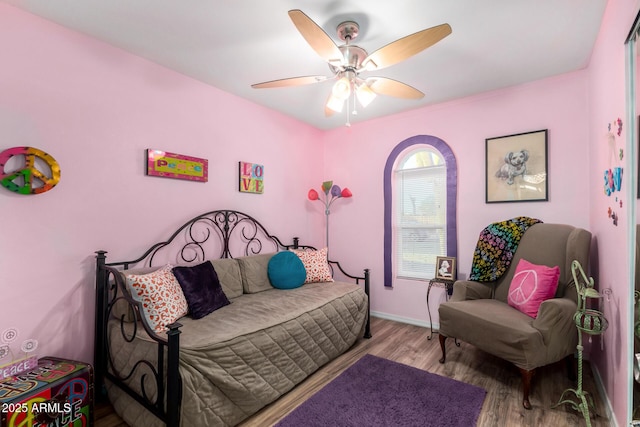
[420,220]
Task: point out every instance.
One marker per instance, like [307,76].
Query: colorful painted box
[56,393]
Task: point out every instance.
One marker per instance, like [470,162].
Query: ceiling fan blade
[293,81]
[405,47]
[390,87]
[316,37]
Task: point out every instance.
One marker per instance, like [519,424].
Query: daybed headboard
[215,234]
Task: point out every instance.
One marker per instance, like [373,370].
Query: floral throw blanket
[495,248]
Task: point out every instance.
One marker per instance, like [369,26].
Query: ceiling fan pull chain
[348,124]
[355,104]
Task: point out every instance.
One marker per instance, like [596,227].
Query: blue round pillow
[286,270]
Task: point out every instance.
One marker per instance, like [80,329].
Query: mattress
[246,355]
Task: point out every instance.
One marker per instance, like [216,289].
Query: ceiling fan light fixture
[342,88]
[365,94]
[348,60]
[335,104]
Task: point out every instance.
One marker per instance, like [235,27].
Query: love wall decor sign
[251,178]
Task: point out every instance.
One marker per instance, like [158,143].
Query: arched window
[420,181]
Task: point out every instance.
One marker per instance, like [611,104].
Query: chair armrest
[467,290]
[554,316]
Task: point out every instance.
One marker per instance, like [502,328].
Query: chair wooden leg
[442,339]
[526,386]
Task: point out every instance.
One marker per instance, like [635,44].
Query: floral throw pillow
[315,264]
[162,299]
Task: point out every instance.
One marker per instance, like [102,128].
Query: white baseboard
[603,395]
[401,319]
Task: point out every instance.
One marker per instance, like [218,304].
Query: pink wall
[606,103]
[558,104]
[96,109]
[576,109]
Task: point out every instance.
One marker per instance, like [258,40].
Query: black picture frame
[516,168]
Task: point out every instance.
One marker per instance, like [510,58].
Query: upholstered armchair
[479,313]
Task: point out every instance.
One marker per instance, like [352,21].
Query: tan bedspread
[245,355]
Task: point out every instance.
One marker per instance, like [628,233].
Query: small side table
[440,283]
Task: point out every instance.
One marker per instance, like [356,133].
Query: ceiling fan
[347,61]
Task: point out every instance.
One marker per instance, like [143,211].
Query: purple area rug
[379,392]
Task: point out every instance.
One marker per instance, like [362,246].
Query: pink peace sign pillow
[531,285]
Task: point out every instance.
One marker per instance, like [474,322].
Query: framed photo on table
[446,268]
[516,168]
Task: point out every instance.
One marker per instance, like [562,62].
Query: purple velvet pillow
[201,289]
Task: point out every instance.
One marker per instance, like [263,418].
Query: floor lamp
[591,322]
[331,194]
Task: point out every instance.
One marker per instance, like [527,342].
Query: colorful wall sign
[36,173]
[612,180]
[172,165]
[613,175]
[251,178]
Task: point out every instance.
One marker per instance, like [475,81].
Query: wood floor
[409,345]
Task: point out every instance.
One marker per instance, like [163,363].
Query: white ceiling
[233,44]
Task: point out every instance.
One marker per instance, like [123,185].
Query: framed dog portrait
[446,268]
[516,168]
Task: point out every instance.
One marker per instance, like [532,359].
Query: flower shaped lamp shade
[329,194]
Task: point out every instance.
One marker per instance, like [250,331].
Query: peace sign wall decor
[36,173]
